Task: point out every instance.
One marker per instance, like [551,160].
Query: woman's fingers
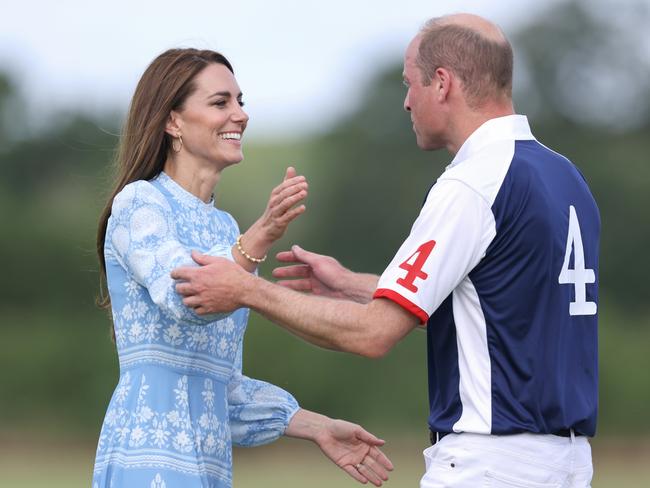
[381,458]
[375,467]
[283,206]
[354,472]
[287,193]
[367,472]
[292,214]
[290,173]
[296,180]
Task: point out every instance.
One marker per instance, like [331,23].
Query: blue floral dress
[181,400]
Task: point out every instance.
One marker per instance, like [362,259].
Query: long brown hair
[144,144]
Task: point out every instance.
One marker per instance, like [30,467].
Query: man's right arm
[369,330]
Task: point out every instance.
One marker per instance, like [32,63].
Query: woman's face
[212,120]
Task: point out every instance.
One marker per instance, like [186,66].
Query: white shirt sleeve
[448,239]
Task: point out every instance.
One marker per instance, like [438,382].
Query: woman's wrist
[306,424]
[256,241]
[251,247]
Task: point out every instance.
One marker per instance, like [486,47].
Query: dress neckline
[181,194]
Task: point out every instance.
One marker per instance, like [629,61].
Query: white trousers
[512,461]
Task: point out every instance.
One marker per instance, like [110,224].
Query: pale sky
[300,64]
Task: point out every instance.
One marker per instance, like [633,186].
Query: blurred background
[323,88]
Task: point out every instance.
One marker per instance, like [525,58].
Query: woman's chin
[225,162]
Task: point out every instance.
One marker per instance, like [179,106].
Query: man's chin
[426,145]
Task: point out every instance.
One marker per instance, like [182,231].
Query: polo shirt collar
[508,127]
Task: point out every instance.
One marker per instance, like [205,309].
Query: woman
[182,399]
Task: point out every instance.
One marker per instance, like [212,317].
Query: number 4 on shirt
[414,264]
[579,276]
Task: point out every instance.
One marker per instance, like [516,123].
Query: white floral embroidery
[131,287]
[173,335]
[167,407]
[158,482]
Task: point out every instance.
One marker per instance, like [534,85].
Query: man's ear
[442,83]
[173,125]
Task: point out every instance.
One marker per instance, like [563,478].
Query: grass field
[292,464]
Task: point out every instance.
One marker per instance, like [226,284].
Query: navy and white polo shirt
[502,265]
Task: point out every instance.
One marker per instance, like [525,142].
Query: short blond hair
[483,65]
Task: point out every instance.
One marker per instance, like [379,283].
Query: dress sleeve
[142,237]
[448,239]
[259,412]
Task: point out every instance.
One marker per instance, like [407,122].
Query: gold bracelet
[246,255]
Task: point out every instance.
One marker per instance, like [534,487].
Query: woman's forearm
[306,424]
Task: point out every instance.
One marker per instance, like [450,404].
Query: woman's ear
[173,125]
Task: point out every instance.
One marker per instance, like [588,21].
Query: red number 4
[415,269]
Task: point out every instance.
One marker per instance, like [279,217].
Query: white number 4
[578,276]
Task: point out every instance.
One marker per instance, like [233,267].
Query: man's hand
[323,275]
[214,287]
[316,273]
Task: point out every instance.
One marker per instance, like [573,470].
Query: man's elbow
[375,347]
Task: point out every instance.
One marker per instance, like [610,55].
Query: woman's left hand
[355,451]
[283,207]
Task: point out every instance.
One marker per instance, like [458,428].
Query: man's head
[457,68]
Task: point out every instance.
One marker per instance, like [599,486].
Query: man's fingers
[184,273]
[381,458]
[297,285]
[191,302]
[184,289]
[203,259]
[354,472]
[286,257]
[295,271]
[303,256]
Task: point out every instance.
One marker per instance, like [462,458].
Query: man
[500,265]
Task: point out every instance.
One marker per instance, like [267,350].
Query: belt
[436,437]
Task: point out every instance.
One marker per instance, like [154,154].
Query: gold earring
[180,144]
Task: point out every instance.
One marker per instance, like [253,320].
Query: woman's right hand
[349,446]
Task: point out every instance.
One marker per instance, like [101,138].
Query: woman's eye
[241,103]
[220,103]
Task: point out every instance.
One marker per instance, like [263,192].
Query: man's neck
[466,123]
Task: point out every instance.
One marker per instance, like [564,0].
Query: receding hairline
[479,25]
